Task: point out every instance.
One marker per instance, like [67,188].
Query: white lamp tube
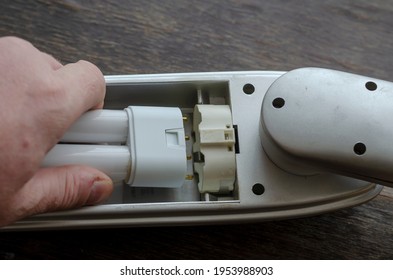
[147,145]
[112,160]
[99,126]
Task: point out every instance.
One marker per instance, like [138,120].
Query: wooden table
[126,37]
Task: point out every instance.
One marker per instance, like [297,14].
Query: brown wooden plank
[124,37]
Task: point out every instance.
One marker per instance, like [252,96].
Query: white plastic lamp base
[157,144]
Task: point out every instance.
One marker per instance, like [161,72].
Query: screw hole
[248,89]
[258,189]
[278,102]
[371,86]
[359,149]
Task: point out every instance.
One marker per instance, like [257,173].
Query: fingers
[53,62]
[84,87]
[51,97]
[13,41]
[61,188]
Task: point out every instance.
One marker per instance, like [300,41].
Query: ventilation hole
[371,86]
[359,149]
[278,102]
[248,89]
[258,189]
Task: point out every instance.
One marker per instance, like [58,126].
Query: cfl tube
[99,126]
[112,160]
[144,146]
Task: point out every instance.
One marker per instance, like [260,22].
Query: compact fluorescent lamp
[208,148]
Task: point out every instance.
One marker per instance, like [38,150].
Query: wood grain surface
[126,37]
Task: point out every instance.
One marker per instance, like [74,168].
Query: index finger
[84,88]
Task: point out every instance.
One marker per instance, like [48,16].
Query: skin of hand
[40,99]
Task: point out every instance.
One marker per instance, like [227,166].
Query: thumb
[60,188]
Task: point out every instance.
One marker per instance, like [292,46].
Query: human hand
[40,99]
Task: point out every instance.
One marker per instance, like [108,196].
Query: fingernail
[99,191]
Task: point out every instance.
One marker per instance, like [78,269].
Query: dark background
[126,37]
